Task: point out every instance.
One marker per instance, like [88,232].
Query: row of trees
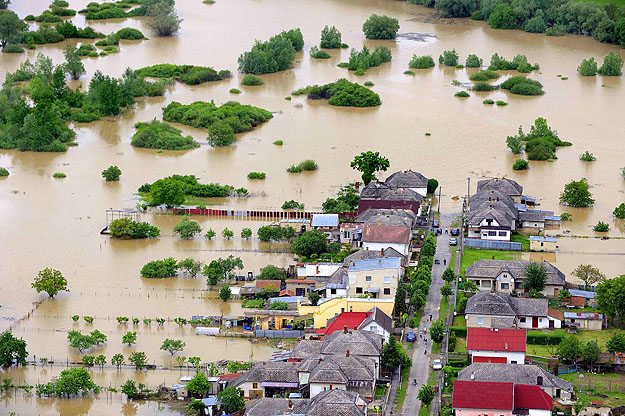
[612,66]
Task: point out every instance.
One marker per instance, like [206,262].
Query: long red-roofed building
[479,398]
[349,320]
[496,345]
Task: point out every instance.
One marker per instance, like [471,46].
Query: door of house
[534,322]
[556,292]
[551,324]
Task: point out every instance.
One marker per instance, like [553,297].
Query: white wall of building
[376,329]
[513,357]
[402,248]
[316,388]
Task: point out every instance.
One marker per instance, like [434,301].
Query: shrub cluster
[421,278]
[117,10]
[269,233]
[306,165]
[449,58]
[318,54]
[522,86]
[520,164]
[4,172]
[365,59]
[484,75]
[473,61]
[543,338]
[201,114]
[190,186]
[518,63]
[64,30]
[189,74]
[539,144]
[380,27]
[159,269]
[484,86]
[252,80]
[331,38]
[127,229]
[256,175]
[462,94]
[276,54]
[158,135]
[342,93]
[421,62]
[292,204]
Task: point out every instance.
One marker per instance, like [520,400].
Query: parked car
[455,232]
[411,337]
[453,242]
[436,364]
[295,395]
[436,224]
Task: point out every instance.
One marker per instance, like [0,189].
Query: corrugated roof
[583,293]
[582,315]
[351,320]
[541,238]
[531,397]
[375,264]
[325,220]
[483,395]
[493,339]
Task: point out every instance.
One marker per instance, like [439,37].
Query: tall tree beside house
[591,353]
[535,277]
[199,385]
[426,395]
[369,163]
[611,297]
[225,292]
[309,243]
[314,297]
[449,275]
[400,301]
[588,274]
[437,331]
[232,399]
[616,343]
[394,355]
[570,349]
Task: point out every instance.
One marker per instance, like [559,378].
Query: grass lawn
[436,347]
[461,345]
[460,321]
[523,239]
[401,393]
[584,336]
[471,255]
[380,390]
[442,312]
[590,386]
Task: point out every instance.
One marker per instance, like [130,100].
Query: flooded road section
[46,222]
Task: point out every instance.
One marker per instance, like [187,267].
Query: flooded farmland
[47,222]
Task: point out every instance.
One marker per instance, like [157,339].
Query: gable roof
[379,317]
[556,314]
[336,403]
[325,220]
[375,264]
[489,268]
[365,217]
[490,212]
[262,284]
[494,339]
[388,219]
[341,370]
[512,373]
[270,407]
[401,194]
[363,254]
[351,320]
[357,342]
[273,371]
[407,179]
[502,304]
[479,395]
[374,190]
[307,349]
[531,397]
[503,185]
[386,234]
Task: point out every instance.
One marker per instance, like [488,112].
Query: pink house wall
[476,412]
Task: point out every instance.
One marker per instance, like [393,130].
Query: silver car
[436,364]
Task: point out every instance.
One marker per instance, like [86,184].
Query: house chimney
[345,329]
[290,404]
[506,345]
[347,353]
[539,380]
[320,360]
[472,375]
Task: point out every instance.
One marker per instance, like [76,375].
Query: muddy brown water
[56,222]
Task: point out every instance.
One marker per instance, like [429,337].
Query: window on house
[368,279]
[492,233]
[505,285]
[254,385]
[387,290]
[373,329]
[333,291]
[522,319]
[503,234]
[513,362]
[480,321]
[387,279]
[358,290]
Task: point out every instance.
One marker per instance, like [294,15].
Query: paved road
[421,366]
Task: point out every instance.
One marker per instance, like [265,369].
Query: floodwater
[48,222]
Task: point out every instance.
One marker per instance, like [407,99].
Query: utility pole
[468,188]
[439,199]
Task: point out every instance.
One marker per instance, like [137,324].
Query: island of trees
[342,93]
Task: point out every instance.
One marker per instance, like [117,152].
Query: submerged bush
[421,62]
[484,75]
[484,86]
[158,135]
[380,27]
[520,164]
[601,227]
[342,93]
[4,172]
[463,94]
[501,103]
[612,65]
[330,38]
[252,80]
[588,67]
[522,86]
[587,157]
[277,54]
[12,48]
[59,175]
[518,63]
[201,114]
[488,101]
[189,74]
[306,165]
[365,59]
[127,229]
[256,175]
[318,54]
[449,58]
[473,61]
[159,269]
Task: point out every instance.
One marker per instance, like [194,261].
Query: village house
[518,373]
[504,185]
[300,287]
[356,374]
[327,403]
[334,287]
[540,243]
[507,276]
[375,321]
[584,320]
[496,345]
[500,310]
[407,179]
[396,217]
[490,223]
[300,225]
[269,379]
[582,298]
[327,309]
[402,190]
[376,278]
[328,223]
[362,254]
[479,398]
[379,323]
[351,234]
[380,237]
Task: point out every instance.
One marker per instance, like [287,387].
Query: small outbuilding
[540,243]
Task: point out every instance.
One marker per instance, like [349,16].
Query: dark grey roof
[407,179]
[372,212]
[503,185]
[307,349]
[389,220]
[490,269]
[512,373]
[338,279]
[357,342]
[372,254]
[280,371]
[495,198]
[504,305]
[374,190]
[531,216]
[336,403]
[274,407]
[340,369]
[379,317]
[401,194]
[501,215]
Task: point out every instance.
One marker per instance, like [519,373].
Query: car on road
[455,232]
[436,224]
[453,242]
[411,337]
[436,364]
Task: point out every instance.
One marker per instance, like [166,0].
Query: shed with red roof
[496,344]
[480,398]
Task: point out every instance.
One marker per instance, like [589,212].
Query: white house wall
[513,357]
[402,248]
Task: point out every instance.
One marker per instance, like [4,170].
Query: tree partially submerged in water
[189,74]
[50,281]
[163,18]
[276,54]
[380,27]
[540,143]
[331,38]
[369,163]
[158,135]
[576,194]
[201,114]
[342,93]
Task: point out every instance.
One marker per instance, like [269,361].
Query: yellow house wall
[333,307]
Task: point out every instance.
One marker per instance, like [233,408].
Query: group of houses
[498,382]
[499,208]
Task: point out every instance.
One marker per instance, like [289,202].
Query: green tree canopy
[380,27]
[214,272]
[616,343]
[232,399]
[576,194]
[611,297]
[187,228]
[588,274]
[426,395]
[368,163]
[271,272]
[437,331]
[199,385]
[168,192]
[50,281]
[309,243]
[225,292]
[73,65]
[173,346]
[535,277]
[394,355]
[314,298]
[12,350]
[10,27]
[570,349]
[591,352]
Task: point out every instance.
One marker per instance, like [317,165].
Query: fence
[283,333]
[246,213]
[492,244]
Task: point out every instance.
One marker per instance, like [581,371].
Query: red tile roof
[483,395]
[577,301]
[301,281]
[350,319]
[285,292]
[554,313]
[261,284]
[531,397]
[229,376]
[496,339]
[386,234]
